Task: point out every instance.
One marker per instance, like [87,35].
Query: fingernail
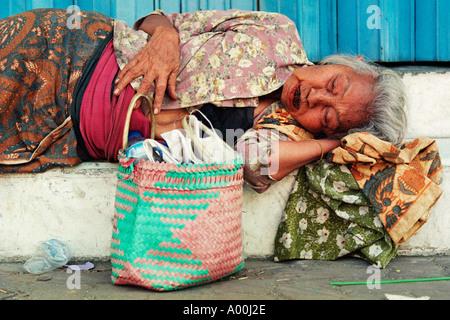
[117,81]
[116,92]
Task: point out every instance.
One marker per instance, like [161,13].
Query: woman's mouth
[297,97]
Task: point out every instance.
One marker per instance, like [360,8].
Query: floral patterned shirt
[229,58]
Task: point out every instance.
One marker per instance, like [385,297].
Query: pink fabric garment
[229,58]
[102,115]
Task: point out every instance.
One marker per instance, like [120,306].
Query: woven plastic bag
[176,225]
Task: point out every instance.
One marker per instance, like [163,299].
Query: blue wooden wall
[381,30]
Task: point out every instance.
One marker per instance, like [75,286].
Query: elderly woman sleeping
[64,93]
[64,96]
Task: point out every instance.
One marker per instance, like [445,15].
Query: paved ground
[260,280]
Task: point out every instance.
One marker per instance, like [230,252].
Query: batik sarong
[327,216]
[402,184]
[42,56]
[365,200]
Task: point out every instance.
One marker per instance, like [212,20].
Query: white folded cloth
[190,146]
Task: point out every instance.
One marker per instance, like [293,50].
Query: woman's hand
[158,62]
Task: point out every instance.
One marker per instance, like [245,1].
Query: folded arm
[291,155]
[269,156]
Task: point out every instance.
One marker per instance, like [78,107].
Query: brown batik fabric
[42,55]
[400,183]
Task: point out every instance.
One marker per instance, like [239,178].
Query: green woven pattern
[177,229]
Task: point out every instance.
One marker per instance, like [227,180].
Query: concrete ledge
[76,205]
[428,101]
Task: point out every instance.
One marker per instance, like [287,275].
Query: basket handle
[131,108]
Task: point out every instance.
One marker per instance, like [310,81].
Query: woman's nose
[319,97]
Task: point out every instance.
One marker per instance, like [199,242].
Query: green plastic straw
[351,283]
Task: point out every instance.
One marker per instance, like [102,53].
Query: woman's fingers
[172,85]
[160,90]
[162,82]
[130,72]
[146,83]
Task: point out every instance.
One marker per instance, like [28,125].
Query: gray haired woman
[295,124]
[388,120]
[245,71]
[339,96]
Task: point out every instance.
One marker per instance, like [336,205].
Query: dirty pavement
[261,279]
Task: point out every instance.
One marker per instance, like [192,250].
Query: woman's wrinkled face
[330,99]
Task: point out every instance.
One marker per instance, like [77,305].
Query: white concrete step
[76,205]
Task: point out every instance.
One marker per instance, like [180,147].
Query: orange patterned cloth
[42,61]
[401,183]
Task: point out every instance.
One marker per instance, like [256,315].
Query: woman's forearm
[291,155]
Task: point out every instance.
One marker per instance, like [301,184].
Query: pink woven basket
[176,225]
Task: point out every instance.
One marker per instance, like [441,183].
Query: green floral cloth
[327,217]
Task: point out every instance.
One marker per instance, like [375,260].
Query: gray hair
[388,108]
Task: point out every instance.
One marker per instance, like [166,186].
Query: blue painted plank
[218,4]
[35,4]
[17,7]
[124,10]
[143,8]
[62,4]
[307,22]
[249,5]
[168,6]
[443,30]
[347,16]
[269,5]
[426,30]
[95,5]
[9,8]
[380,30]
[316,22]
[190,5]
[359,28]
[195,5]
[85,4]
[290,8]
[409,30]
[432,30]
[388,38]
[397,30]
[370,16]
[327,28]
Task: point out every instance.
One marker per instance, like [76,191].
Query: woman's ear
[360,58]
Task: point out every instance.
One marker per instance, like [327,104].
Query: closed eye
[325,118]
[332,85]
[330,118]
